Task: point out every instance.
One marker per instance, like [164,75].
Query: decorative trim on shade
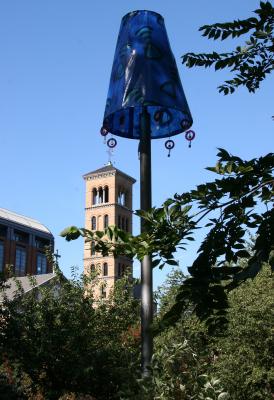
[144,74]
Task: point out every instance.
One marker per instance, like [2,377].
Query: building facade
[23,243]
[108,202]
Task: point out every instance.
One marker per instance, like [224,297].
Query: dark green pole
[146,267]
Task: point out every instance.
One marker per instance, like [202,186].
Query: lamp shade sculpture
[145,101]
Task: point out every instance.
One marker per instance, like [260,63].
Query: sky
[55,62]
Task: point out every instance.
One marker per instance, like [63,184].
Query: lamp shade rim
[160,136]
[115,129]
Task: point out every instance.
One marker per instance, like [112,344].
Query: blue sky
[55,64]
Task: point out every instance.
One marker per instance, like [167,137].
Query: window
[92,268]
[100,197]
[122,197]
[1,256]
[20,236]
[103,292]
[41,264]
[3,231]
[20,261]
[119,221]
[105,269]
[93,223]
[105,221]
[41,243]
[106,194]
[92,248]
[123,223]
[126,225]
[119,197]
[121,269]
[94,196]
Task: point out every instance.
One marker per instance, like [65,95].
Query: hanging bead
[111,143]
[190,135]
[169,144]
[104,133]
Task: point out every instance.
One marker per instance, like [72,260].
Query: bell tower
[108,202]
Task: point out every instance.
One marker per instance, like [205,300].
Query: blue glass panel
[144,74]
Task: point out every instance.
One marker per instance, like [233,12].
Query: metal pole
[146,267]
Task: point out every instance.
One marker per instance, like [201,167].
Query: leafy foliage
[61,347]
[191,364]
[175,376]
[227,206]
[250,62]
[55,341]
[166,294]
[244,355]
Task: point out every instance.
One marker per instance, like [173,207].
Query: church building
[108,202]
[23,244]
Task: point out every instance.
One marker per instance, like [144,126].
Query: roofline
[41,284]
[115,170]
[47,231]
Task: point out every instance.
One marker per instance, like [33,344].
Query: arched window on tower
[105,221]
[119,200]
[94,196]
[93,223]
[105,269]
[92,248]
[103,292]
[106,194]
[122,197]
[92,268]
[100,195]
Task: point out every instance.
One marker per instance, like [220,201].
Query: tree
[250,62]
[241,199]
[238,364]
[62,344]
[244,354]
[166,294]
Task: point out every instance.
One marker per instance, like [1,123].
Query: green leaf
[156,262]
[223,154]
[223,396]
[71,233]
[243,254]
[172,262]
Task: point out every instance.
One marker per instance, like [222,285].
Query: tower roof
[108,168]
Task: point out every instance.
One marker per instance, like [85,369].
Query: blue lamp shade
[144,74]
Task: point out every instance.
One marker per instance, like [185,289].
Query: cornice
[99,175]
[104,258]
[106,205]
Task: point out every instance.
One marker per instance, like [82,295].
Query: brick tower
[108,202]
